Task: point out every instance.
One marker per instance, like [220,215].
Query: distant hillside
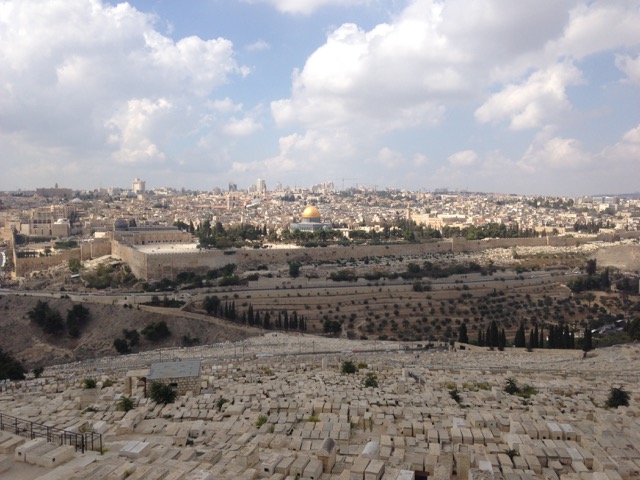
[21,337]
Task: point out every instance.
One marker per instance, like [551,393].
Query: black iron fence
[25,428]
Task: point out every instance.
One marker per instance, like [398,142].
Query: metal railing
[28,429]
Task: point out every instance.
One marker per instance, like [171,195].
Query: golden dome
[311,212]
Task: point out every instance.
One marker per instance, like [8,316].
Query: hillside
[26,341]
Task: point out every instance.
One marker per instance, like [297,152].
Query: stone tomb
[183,376]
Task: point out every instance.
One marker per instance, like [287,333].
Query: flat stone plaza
[277,407]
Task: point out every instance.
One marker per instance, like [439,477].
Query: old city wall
[136,260]
[169,265]
[95,249]
[463,245]
[158,266]
[86,251]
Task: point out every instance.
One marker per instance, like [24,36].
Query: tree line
[254,317]
[559,337]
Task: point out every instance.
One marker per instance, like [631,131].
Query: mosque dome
[121,224]
[311,213]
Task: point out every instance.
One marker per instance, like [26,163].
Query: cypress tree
[462,334]
[587,343]
[519,340]
[494,334]
[503,340]
[566,338]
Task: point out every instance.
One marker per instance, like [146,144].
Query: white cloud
[258,46]
[419,160]
[463,158]
[598,26]
[225,105]
[626,151]
[548,152]
[630,66]
[101,81]
[241,127]
[390,159]
[406,72]
[538,100]
[132,131]
[306,7]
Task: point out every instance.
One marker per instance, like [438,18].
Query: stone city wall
[168,265]
[86,251]
[136,260]
[150,236]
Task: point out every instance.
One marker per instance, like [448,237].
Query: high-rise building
[233,187]
[261,186]
[138,186]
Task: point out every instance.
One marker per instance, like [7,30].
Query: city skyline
[528,98]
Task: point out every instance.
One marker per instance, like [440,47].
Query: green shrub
[526,391]
[455,395]
[313,419]
[262,419]
[156,331]
[10,367]
[512,452]
[162,393]
[121,346]
[618,397]
[125,404]
[348,367]
[371,380]
[220,402]
[89,383]
[511,387]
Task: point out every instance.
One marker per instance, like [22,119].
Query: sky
[528,97]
